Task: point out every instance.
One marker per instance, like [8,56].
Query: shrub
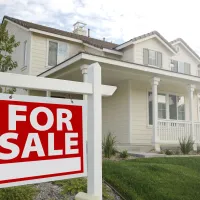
[18,193]
[186,145]
[198,149]
[123,154]
[108,145]
[168,152]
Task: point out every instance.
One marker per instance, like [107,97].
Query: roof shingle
[85,39]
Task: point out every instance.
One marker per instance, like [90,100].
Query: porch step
[145,155]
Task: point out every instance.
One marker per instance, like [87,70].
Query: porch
[126,114]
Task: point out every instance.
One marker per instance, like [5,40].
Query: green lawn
[155,178]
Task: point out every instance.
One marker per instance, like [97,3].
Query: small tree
[7,46]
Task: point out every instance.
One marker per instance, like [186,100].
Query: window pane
[53,49]
[187,68]
[172,107]
[175,65]
[181,108]
[181,67]
[150,108]
[161,106]
[152,57]
[62,52]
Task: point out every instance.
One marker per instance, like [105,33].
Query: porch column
[84,69]
[155,139]
[191,89]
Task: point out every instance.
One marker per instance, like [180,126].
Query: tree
[7,46]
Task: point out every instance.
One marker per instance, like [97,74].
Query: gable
[184,55]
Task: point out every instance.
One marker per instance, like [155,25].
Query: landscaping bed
[155,178]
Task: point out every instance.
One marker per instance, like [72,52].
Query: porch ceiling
[112,75]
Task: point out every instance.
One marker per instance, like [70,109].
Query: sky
[116,20]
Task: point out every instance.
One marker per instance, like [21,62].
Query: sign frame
[50,100]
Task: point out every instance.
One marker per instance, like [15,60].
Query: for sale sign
[41,139]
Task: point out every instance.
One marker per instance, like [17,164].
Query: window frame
[178,71]
[156,58]
[167,106]
[25,54]
[47,51]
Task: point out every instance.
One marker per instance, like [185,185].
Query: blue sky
[117,21]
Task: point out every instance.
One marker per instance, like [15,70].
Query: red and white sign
[41,139]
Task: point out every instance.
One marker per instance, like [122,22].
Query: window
[176,105]
[25,53]
[57,53]
[53,51]
[151,57]
[198,70]
[181,67]
[161,107]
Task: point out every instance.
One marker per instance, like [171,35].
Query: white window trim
[25,54]
[47,51]
[167,106]
[178,66]
[156,58]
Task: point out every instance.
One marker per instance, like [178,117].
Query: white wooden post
[84,69]
[155,139]
[191,89]
[95,132]
[48,93]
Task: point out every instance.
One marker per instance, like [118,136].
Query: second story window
[152,58]
[25,53]
[181,67]
[53,51]
[198,70]
[57,52]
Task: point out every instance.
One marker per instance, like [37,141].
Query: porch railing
[170,131]
[197,132]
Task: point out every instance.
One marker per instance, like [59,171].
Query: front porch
[127,113]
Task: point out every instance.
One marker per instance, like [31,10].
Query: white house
[156,101]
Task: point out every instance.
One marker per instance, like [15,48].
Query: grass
[155,178]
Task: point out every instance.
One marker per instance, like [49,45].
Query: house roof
[91,41]
[180,40]
[148,35]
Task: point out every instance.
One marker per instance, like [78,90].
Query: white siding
[152,44]
[21,36]
[128,54]
[184,56]
[115,114]
[40,52]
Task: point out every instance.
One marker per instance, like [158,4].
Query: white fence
[170,131]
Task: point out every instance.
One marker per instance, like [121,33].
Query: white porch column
[191,89]
[155,140]
[84,69]
[48,93]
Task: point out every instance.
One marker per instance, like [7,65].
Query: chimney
[80,28]
[88,32]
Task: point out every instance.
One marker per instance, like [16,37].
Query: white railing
[197,131]
[170,131]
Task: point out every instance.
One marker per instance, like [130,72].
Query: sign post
[42,138]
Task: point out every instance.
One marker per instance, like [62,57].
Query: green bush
[186,145]
[18,193]
[168,152]
[123,154]
[108,145]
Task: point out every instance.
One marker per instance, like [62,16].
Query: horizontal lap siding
[115,114]
[39,52]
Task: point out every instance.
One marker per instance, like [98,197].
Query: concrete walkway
[145,154]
